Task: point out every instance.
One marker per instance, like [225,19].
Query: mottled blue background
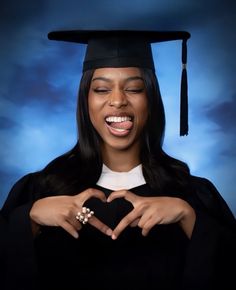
[39,81]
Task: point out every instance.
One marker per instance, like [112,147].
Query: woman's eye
[101,91]
[134,91]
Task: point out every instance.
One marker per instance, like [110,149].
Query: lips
[119,125]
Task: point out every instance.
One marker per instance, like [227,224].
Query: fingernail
[109,232]
[113,237]
[76,235]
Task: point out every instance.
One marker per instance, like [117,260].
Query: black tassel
[184,93]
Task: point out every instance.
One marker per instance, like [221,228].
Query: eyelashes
[134,91]
[101,91]
[131,91]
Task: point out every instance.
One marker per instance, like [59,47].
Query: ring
[84,215]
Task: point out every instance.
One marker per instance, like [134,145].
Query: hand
[151,211]
[61,211]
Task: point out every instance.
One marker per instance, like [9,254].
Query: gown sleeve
[17,249]
[211,255]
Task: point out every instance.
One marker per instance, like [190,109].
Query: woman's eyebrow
[101,79]
[134,78]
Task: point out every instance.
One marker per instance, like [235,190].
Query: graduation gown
[165,259]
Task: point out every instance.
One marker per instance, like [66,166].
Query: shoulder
[209,199]
[66,161]
[204,186]
[35,184]
[56,166]
[25,182]
[207,191]
[22,192]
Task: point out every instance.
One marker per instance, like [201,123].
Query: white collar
[114,180]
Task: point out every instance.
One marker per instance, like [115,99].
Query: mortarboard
[128,48]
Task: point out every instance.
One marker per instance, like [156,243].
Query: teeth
[113,119]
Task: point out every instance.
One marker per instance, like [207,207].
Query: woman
[116,212]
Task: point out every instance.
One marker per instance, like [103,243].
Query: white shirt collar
[121,180]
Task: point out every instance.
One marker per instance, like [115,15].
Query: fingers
[88,193]
[135,223]
[146,227]
[129,219]
[69,228]
[94,221]
[72,220]
[127,195]
[100,226]
[81,198]
[71,225]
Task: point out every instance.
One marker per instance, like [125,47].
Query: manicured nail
[76,235]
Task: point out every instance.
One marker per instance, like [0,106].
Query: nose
[117,99]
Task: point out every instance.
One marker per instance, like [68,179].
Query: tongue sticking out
[126,125]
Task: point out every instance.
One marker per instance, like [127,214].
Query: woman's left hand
[151,211]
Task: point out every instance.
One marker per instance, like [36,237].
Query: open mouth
[119,125]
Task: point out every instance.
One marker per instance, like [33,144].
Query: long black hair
[160,170]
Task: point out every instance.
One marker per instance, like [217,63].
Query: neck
[121,160]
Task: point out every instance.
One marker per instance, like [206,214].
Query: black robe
[165,259]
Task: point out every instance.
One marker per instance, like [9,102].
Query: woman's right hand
[61,211]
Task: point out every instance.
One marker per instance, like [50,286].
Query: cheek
[143,112]
[94,109]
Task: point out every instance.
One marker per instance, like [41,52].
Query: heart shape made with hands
[110,213]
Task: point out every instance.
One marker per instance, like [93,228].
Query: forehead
[123,72]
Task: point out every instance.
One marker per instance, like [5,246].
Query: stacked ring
[85,215]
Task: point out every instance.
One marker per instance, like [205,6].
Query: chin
[120,144]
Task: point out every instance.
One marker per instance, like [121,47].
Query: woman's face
[118,106]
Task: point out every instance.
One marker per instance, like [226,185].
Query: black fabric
[165,259]
[184,93]
[118,48]
[83,35]
[118,52]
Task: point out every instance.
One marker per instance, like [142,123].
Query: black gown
[165,259]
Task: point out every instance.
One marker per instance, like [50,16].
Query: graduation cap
[128,48]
